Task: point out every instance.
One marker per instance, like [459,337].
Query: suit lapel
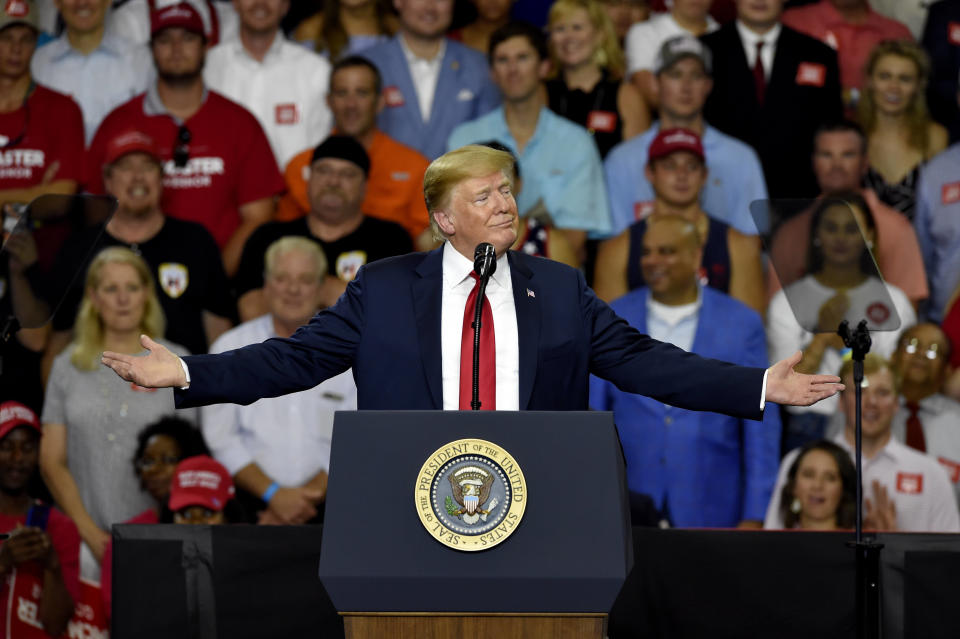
[528,324]
[742,74]
[443,96]
[705,334]
[405,84]
[427,297]
[784,65]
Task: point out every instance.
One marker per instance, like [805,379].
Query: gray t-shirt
[103,415]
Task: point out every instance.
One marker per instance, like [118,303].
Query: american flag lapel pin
[531,293]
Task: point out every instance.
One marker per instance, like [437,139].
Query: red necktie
[915,438]
[759,77]
[488,349]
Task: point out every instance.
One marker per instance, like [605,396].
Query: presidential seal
[470,494]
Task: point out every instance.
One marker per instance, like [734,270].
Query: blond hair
[450,169]
[292,243]
[88,329]
[872,363]
[608,54]
[917,116]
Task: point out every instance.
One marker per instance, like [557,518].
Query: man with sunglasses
[928,420]
[217,163]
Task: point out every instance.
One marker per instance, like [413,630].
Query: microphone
[484,260]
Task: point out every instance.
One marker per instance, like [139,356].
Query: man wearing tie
[403,323]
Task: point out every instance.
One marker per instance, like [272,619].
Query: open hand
[158,369]
[881,513]
[788,387]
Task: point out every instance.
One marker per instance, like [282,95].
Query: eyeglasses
[149,463]
[913,346]
[181,151]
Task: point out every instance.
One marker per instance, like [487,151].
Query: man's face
[83,16]
[178,54]
[17,44]
[292,288]
[19,453]
[261,16]
[425,18]
[880,403]
[670,259]
[759,12]
[838,161]
[517,69]
[480,210]
[336,189]
[677,178]
[684,88]
[921,356]
[136,180]
[354,100]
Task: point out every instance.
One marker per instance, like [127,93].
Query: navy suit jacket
[387,327]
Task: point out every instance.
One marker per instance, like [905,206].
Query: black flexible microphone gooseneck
[484,264]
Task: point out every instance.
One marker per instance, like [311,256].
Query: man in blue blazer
[701,469]
[420,62]
[399,326]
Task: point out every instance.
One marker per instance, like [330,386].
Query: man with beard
[338,179]
[218,166]
[39,563]
[182,256]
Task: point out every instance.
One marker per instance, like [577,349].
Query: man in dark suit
[404,326]
[773,100]
[941,39]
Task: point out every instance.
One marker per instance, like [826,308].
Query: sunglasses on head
[181,150]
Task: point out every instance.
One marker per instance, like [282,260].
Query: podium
[556,575]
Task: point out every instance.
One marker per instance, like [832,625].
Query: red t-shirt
[48,128]
[230,162]
[21,592]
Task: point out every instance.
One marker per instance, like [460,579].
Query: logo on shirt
[465,95]
[392,97]
[286,114]
[349,263]
[470,494]
[953,33]
[642,210]
[910,483]
[603,121]
[953,468]
[878,313]
[17,8]
[198,173]
[811,74]
[830,39]
[19,163]
[400,176]
[174,279]
[950,193]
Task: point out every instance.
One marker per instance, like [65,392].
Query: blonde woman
[91,417]
[892,110]
[589,67]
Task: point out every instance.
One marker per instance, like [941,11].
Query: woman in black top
[589,66]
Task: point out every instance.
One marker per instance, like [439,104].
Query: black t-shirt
[187,271]
[19,366]
[373,240]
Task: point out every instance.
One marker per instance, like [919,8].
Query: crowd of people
[734,177]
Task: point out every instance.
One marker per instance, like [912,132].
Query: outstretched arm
[788,387]
[160,368]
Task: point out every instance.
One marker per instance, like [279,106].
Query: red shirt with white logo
[46,129]
[21,591]
[229,160]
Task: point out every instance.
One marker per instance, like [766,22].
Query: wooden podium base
[473,625]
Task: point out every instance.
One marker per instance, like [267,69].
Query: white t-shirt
[785,335]
[287,92]
[644,39]
[917,484]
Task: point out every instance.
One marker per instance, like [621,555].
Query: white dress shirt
[287,92]
[917,484]
[287,436]
[425,74]
[750,40]
[457,285]
[940,418]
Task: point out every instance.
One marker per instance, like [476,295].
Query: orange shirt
[897,252]
[394,186]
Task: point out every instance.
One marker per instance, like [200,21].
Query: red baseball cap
[130,142]
[181,15]
[14,414]
[200,481]
[672,140]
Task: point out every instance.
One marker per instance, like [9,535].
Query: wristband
[270,492]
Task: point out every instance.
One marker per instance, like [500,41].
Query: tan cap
[19,12]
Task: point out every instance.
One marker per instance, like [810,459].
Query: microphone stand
[867,552]
[484,264]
